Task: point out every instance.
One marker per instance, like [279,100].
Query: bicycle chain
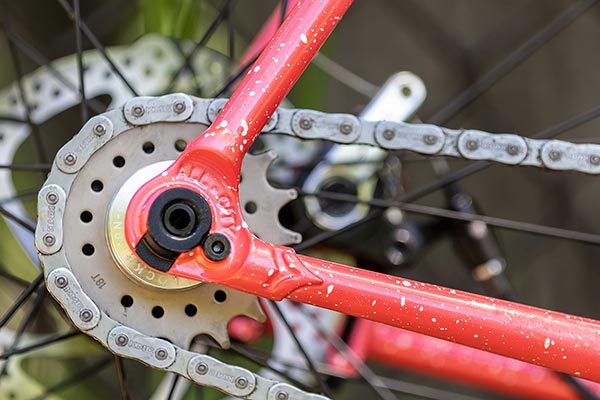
[306,124]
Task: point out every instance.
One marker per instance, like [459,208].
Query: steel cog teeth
[262,202]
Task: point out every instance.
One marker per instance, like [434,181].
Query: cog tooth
[255,311]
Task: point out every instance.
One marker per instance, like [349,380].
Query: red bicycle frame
[211,166]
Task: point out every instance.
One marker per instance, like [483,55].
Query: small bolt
[99,129]
[70,159]
[430,140]
[217,247]
[202,369]
[179,107]
[161,354]
[281,395]
[61,281]
[594,160]
[389,134]
[512,149]
[49,239]
[305,123]
[86,315]
[52,198]
[241,382]
[555,155]
[137,111]
[346,128]
[121,340]
[472,145]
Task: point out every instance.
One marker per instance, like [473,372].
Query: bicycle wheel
[117,163]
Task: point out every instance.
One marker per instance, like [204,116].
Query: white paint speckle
[244,126]
[252,93]
[303,38]
[223,124]
[257,68]
[403,301]
[373,303]
[547,343]
[406,283]
[329,290]
[433,320]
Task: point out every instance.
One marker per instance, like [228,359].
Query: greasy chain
[305,124]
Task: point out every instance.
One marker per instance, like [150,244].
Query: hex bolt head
[202,369]
[217,247]
[281,395]
[179,107]
[512,149]
[595,160]
[137,111]
[305,123]
[555,155]
[346,128]
[99,129]
[430,140]
[241,382]
[122,340]
[161,354]
[70,158]
[49,239]
[51,198]
[61,281]
[86,315]
[389,134]
[472,145]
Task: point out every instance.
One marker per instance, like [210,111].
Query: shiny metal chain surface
[339,128]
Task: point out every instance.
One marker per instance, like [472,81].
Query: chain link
[306,124]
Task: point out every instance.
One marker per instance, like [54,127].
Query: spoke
[43,343]
[230,32]
[76,378]
[13,278]
[80,67]
[514,59]
[73,15]
[19,196]
[27,167]
[120,369]
[173,386]
[309,362]
[201,43]
[10,118]
[284,8]
[235,77]
[30,226]
[25,294]
[345,76]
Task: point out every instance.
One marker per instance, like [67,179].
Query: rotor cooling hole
[127,301]
[97,186]
[88,249]
[180,145]
[191,310]
[220,296]
[250,207]
[86,216]
[158,312]
[148,147]
[119,161]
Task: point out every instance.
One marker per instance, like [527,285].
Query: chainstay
[305,124]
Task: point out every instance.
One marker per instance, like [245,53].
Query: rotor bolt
[472,145]
[179,107]
[137,111]
[217,247]
[70,158]
[305,123]
[121,340]
[161,354]
[52,198]
[241,382]
[86,315]
[61,281]
[512,149]
[99,129]
[594,160]
[555,155]
[346,128]
[430,140]
[202,369]
[389,134]
[49,239]
[282,395]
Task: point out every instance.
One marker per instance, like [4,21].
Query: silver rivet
[61,281]
[121,340]
[389,134]
[161,354]
[472,145]
[512,149]
[430,140]
[281,395]
[555,155]
[305,123]
[346,128]
[137,111]
[241,382]
[49,239]
[594,160]
[179,107]
[202,369]
[52,198]
[70,158]
[99,129]
[86,315]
